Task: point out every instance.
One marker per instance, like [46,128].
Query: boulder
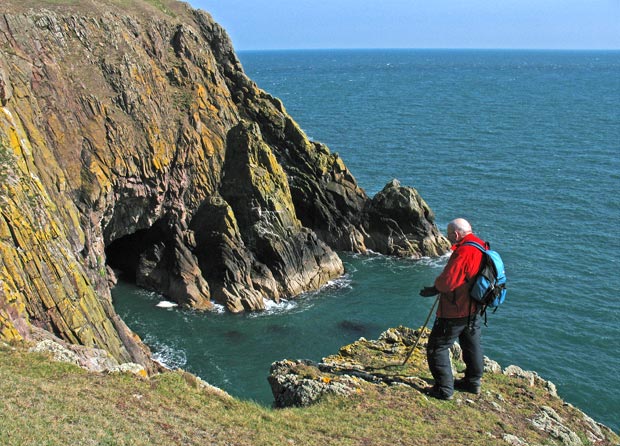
[399,222]
[300,383]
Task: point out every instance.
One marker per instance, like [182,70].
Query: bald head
[457,229]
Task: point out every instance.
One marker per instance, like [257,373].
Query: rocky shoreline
[516,397]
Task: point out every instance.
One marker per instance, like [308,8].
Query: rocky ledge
[524,408]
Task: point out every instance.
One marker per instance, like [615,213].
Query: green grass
[160,5]
[59,2]
[48,403]
[168,7]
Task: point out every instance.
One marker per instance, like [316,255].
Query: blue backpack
[489,285]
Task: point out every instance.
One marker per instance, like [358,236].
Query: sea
[523,144]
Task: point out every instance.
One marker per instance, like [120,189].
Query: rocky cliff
[131,140]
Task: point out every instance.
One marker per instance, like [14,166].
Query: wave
[167,355]
[218,308]
[435,262]
[342,282]
[272,307]
[303,301]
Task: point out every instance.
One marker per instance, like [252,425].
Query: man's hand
[428,291]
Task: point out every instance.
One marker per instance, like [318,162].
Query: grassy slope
[48,403]
[141,8]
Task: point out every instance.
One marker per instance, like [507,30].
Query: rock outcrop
[132,140]
[522,404]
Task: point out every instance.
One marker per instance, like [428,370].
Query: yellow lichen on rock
[158,142]
[38,270]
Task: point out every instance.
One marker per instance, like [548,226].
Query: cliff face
[131,139]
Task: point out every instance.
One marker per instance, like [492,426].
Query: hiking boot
[466,386]
[436,392]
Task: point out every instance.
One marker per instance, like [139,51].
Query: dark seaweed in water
[234,335]
[274,328]
[357,327]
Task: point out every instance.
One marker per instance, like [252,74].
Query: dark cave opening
[124,254]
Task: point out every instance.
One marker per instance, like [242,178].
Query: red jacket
[454,281]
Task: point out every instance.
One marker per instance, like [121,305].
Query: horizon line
[426,49]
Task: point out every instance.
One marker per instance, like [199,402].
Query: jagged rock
[400,223]
[58,352]
[257,190]
[6,90]
[491,366]
[170,268]
[551,388]
[549,421]
[300,383]
[513,440]
[201,384]
[528,376]
[129,367]
[92,359]
[224,259]
[532,378]
[303,382]
[595,430]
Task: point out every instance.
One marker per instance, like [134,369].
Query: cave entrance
[123,254]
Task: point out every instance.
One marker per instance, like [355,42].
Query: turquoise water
[525,145]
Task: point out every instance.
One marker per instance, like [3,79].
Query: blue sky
[303,24]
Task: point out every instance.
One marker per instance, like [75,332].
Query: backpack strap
[483,308]
[481,248]
[475,244]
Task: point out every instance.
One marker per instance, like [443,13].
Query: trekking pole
[421,331]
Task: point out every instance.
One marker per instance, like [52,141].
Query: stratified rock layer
[131,138]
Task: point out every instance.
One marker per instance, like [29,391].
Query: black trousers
[443,335]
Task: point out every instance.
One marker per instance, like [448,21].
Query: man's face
[452,235]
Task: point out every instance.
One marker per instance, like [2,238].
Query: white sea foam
[342,282]
[166,304]
[218,308]
[148,293]
[271,307]
[390,262]
[168,356]
[436,262]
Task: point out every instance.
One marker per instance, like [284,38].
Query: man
[457,316]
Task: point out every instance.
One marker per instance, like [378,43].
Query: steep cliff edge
[131,139]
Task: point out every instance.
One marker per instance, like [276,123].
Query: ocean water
[524,144]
